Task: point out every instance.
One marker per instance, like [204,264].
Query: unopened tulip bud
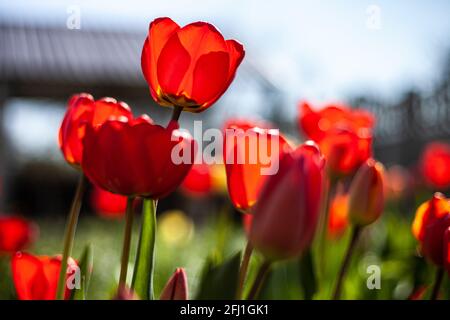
[177,287]
[366,194]
[447,250]
[125,293]
[287,211]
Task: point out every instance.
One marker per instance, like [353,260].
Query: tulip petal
[210,78]
[159,33]
[27,269]
[173,64]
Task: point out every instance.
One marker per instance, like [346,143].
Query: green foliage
[144,267]
[219,281]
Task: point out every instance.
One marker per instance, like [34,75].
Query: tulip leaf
[85,265]
[308,277]
[219,281]
[142,282]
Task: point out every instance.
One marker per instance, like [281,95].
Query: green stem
[437,283]
[259,280]
[69,235]
[176,113]
[142,282]
[244,268]
[328,194]
[346,262]
[126,242]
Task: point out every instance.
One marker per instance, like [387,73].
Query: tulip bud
[447,250]
[177,286]
[366,194]
[125,293]
[433,241]
[36,277]
[287,211]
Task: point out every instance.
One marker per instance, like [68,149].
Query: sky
[316,50]
[321,50]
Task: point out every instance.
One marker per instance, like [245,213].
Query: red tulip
[139,161]
[447,250]
[83,110]
[316,124]
[107,204]
[16,234]
[338,215]
[288,208]
[243,163]
[435,208]
[198,181]
[36,277]
[430,224]
[435,165]
[189,67]
[366,200]
[345,151]
[177,287]
[343,134]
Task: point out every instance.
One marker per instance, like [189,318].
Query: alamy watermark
[254,146]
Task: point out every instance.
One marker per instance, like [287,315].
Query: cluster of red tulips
[321,186]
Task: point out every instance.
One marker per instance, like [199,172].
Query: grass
[387,244]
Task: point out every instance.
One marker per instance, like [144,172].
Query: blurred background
[392,58]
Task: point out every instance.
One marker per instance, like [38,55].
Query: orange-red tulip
[435,165]
[36,277]
[107,204]
[198,181]
[83,110]
[316,124]
[139,162]
[345,151]
[366,200]
[338,215]
[177,286]
[16,234]
[288,208]
[343,134]
[189,67]
[244,175]
[429,226]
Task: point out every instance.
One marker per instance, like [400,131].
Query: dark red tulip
[133,157]
[83,110]
[198,181]
[430,224]
[36,277]
[177,286]
[107,204]
[316,124]
[16,234]
[447,250]
[288,208]
[243,164]
[366,200]
[189,67]
[435,165]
